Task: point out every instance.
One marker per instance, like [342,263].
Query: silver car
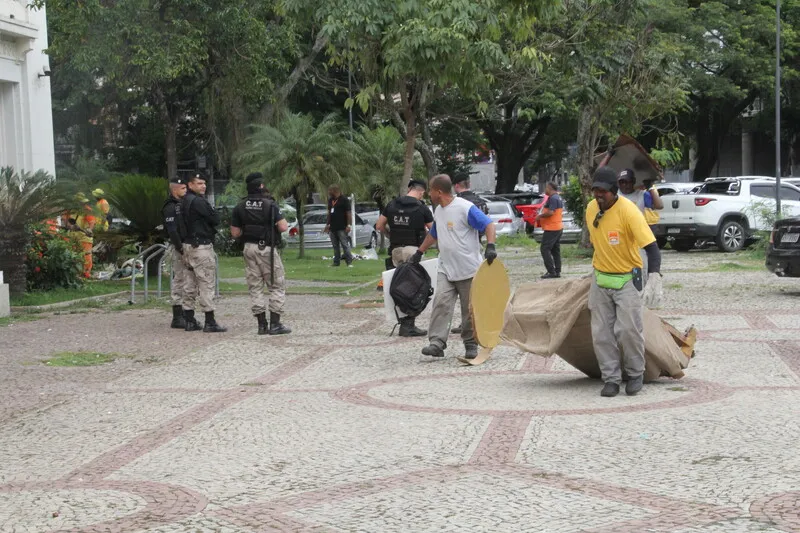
[572,232]
[314,224]
[506,219]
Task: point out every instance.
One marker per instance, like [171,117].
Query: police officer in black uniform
[408,220]
[176,232]
[258,222]
[201,221]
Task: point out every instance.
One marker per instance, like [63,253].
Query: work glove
[653,294]
[490,254]
[416,258]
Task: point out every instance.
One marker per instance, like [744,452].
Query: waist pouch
[611,281]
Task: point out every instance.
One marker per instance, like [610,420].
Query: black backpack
[411,289]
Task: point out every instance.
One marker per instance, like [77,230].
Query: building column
[747,153]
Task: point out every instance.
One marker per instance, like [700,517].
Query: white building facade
[26,117]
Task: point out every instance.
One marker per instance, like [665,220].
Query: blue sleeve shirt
[477,219]
[648,200]
[433,231]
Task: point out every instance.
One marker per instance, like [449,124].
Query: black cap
[459,177]
[417,183]
[627,174]
[604,178]
[254,176]
[178,180]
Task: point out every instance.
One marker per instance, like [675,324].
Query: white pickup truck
[726,210]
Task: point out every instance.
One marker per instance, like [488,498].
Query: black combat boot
[191,322]
[211,325]
[409,329]
[275,326]
[263,327]
[178,322]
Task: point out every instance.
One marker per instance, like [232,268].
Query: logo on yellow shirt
[613,238]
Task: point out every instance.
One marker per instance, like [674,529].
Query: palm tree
[298,158]
[381,155]
[25,198]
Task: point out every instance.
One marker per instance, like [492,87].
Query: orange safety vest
[554,222]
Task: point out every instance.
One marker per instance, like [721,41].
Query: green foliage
[54,260]
[380,161]
[27,197]
[575,200]
[224,243]
[299,158]
[139,199]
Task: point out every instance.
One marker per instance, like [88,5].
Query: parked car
[507,220]
[675,187]
[314,224]
[572,231]
[783,250]
[528,204]
[726,210]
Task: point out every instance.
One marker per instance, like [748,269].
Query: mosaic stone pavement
[339,427]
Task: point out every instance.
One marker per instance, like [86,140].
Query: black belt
[199,242]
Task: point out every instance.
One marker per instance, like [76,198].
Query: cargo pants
[444,301]
[617,323]
[200,277]
[178,280]
[257,266]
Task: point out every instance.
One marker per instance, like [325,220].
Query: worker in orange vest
[102,208]
[83,230]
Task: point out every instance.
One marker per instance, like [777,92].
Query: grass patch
[517,241]
[312,268]
[575,251]
[91,288]
[17,318]
[673,286]
[81,359]
[733,266]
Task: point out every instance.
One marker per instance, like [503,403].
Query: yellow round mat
[487,299]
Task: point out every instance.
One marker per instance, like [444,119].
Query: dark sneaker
[609,390]
[550,276]
[411,331]
[634,385]
[433,351]
[470,351]
[456,331]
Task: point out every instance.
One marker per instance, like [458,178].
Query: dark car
[783,250]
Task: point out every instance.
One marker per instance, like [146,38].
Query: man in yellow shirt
[618,230]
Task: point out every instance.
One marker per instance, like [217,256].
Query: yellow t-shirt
[618,237]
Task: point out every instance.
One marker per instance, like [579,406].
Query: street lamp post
[778,109]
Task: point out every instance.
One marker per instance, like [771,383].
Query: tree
[297,158]
[406,53]
[25,198]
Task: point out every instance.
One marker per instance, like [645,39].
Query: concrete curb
[67,303]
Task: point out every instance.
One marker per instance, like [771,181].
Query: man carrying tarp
[618,230]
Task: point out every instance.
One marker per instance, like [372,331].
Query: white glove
[654,291]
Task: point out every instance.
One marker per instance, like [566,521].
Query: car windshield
[315,218]
[498,208]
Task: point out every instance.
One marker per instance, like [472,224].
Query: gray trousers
[444,302]
[341,243]
[617,323]
[551,251]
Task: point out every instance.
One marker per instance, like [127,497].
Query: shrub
[224,243]
[574,199]
[53,260]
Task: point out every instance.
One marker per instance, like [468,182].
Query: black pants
[551,251]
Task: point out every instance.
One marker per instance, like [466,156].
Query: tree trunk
[509,165]
[13,246]
[713,124]
[588,142]
[408,157]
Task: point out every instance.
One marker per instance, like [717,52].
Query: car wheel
[661,241]
[682,245]
[731,236]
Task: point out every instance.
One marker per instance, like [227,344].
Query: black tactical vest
[406,222]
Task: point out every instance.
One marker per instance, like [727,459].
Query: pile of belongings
[553,318]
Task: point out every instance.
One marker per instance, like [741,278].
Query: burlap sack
[547,318]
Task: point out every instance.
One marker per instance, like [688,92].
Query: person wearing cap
[102,208]
[201,220]
[176,232]
[258,222]
[461,186]
[456,225]
[406,220]
[550,218]
[643,199]
[618,230]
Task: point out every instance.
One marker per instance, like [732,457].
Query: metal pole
[353,221]
[778,109]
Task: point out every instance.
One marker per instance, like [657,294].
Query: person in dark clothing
[550,217]
[338,225]
[176,232]
[407,220]
[461,186]
[201,221]
[258,222]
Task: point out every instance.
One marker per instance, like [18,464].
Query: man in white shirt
[456,226]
